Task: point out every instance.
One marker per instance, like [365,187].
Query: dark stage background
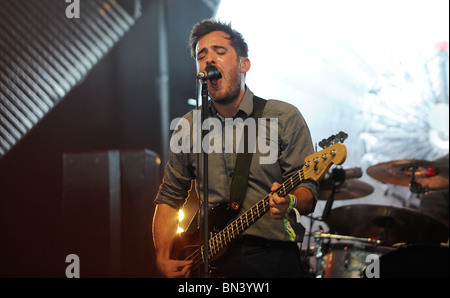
[115,108]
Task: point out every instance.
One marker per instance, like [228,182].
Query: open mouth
[216,83]
[213,75]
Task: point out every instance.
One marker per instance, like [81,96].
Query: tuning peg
[333,140]
[341,136]
[324,144]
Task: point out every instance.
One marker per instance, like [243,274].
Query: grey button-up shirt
[275,160]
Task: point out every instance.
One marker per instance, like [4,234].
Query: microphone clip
[338,176]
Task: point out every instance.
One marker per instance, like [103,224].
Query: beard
[231,91]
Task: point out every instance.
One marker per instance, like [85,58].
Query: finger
[278,208]
[186,271]
[271,201]
[180,265]
[274,186]
[276,212]
[276,215]
[277,200]
[181,269]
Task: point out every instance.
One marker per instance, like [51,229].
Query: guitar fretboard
[222,239]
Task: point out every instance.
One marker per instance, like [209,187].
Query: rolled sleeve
[295,146]
[177,180]
[174,188]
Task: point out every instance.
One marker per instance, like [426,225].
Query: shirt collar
[245,108]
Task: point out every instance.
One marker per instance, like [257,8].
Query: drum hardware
[348,265]
[341,184]
[375,229]
[319,258]
[366,230]
[389,224]
[361,230]
[343,237]
[420,175]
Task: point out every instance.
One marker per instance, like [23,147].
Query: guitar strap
[243,161]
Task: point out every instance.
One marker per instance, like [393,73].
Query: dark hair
[210,25]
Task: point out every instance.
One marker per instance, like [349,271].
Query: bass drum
[415,261]
[346,260]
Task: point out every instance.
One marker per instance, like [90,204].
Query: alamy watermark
[372,270]
[73,269]
[73,9]
[227,139]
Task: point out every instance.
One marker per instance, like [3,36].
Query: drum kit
[405,242]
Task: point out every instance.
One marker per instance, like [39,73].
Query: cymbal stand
[335,181]
[318,239]
[319,256]
[415,187]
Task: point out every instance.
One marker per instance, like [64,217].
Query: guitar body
[187,243]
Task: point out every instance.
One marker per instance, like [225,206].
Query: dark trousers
[254,257]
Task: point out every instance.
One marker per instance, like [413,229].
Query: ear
[245,65]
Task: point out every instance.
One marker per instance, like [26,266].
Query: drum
[347,260]
[415,261]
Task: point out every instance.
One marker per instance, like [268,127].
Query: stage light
[180,219]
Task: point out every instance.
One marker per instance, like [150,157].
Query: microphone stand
[329,204]
[337,179]
[204,95]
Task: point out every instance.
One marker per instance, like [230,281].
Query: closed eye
[219,50]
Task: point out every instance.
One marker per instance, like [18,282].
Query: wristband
[292,202]
[287,225]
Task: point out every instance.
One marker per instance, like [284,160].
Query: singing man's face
[215,49]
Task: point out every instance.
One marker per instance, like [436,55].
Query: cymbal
[400,172]
[350,189]
[388,223]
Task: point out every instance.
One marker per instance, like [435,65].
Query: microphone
[210,73]
[339,175]
[353,173]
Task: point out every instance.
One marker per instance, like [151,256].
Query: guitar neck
[223,238]
[244,221]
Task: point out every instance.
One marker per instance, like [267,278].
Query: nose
[210,59]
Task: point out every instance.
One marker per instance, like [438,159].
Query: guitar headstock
[317,164]
[333,139]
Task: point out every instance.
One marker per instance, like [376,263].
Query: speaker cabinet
[108,210]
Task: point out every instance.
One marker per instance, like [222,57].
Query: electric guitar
[186,245]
